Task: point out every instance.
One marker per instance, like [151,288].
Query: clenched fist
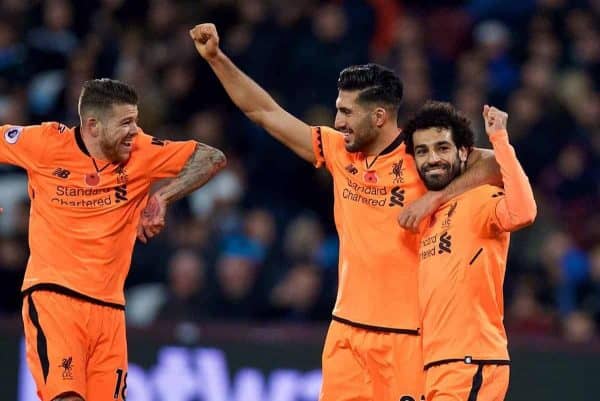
[495,119]
[206,39]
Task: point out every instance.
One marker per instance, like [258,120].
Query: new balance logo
[397,198]
[351,169]
[445,244]
[61,173]
[157,142]
[121,193]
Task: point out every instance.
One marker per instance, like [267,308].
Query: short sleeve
[164,158]
[325,142]
[22,146]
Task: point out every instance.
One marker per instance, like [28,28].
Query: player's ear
[379,116]
[463,154]
[92,125]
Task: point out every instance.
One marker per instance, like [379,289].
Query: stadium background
[242,281]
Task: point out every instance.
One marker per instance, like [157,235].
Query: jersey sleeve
[325,142]
[164,158]
[514,207]
[23,146]
[484,205]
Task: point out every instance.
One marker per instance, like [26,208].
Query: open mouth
[127,143]
[436,170]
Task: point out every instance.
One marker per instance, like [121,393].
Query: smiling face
[438,159]
[355,121]
[117,129]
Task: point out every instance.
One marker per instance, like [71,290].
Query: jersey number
[121,379]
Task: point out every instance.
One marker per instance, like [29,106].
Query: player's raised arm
[253,100]
[517,209]
[204,162]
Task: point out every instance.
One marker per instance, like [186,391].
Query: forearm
[518,208]
[202,165]
[482,168]
[247,95]
[260,107]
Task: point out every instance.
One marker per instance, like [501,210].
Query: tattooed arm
[202,165]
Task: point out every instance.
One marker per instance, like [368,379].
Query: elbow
[525,219]
[258,116]
[218,159]
[254,116]
[531,214]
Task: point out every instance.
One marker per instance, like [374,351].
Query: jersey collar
[395,143]
[79,140]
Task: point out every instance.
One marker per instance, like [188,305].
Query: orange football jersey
[83,222]
[460,280]
[377,268]
[462,256]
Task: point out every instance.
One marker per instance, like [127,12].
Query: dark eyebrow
[443,143]
[344,109]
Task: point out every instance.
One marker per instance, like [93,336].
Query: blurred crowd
[258,241]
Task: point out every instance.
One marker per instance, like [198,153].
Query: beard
[440,180]
[363,136]
[110,149]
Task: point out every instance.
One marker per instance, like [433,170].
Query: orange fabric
[81,236]
[519,200]
[463,261]
[455,382]
[377,268]
[364,365]
[460,280]
[76,354]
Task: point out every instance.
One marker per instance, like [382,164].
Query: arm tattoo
[202,165]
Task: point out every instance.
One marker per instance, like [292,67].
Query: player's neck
[92,146]
[387,135]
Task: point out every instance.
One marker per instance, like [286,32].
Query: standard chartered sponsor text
[373,195]
[82,197]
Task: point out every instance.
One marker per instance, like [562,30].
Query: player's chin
[436,182]
[123,154]
[351,147]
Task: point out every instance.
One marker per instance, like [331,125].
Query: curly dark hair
[440,115]
[377,84]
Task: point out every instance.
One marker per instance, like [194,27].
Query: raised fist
[495,119]
[206,39]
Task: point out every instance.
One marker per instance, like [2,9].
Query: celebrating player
[89,189]
[373,348]
[463,255]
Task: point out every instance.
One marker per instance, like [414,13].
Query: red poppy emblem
[370,177]
[92,179]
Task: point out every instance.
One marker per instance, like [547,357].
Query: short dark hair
[377,84]
[440,115]
[101,94]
